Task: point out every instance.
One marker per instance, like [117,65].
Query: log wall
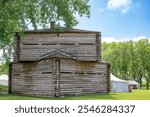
[32,78]
[30,75]
[16,48]
[83,77]
[59,77]
[85,47]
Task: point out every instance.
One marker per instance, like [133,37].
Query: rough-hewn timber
[57,77]
[85,47]
[48,63]
[10,78]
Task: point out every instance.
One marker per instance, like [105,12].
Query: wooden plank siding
[32,78]
[16,46]
[82,77]
[59,77]
[48,63]
[85,47]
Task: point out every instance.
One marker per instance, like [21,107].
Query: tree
[129,60]
[147,66]
[110,54]
[16,15]
[132,60]
[141,58]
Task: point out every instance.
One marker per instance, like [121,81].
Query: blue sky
[118,19]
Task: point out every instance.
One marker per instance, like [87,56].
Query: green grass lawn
[134,95]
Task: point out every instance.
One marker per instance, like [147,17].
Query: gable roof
[60,30]
[57,54]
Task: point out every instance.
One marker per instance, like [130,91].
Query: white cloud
[113,39]
[140,37]
[123,5]
[100,10]
[109,39]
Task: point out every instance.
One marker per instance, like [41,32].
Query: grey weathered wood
[58,77]
[58,64]
[98,46]
[83,76]
[79,45]
[28,77]
[108,78]
[10,78]
[16,48]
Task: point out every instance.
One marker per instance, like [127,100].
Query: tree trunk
[147,85]
[140,81]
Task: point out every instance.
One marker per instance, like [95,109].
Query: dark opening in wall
[46,72]
[85,43]
[67,43]
[30,44]
[49,44]
[66,72]
[79,73]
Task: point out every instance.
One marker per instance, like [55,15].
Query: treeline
[129,60]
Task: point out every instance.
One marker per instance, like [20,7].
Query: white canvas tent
[133,84]
[4,80]
[118,85]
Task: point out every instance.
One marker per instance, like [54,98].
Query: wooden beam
[17,39]
[56,76]
[10,78]
[108,78]
[98,44]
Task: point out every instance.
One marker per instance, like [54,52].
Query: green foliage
[16,15]
[3,69]
[129,60]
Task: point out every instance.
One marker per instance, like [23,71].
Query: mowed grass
[3,88]
[134,95]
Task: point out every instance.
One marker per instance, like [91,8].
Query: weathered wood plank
[27,78]
[32,46]
[84,77]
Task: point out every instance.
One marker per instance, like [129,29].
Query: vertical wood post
[98,46]
[108,78]
[10,78]
[17,47]
[56,76]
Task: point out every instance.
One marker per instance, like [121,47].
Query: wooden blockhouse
[66,62]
